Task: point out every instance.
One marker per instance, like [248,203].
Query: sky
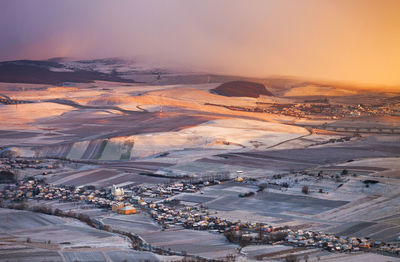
[343,40]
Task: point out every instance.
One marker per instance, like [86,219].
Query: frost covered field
[37,237]
[286,157]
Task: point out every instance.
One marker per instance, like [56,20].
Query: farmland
[198,164]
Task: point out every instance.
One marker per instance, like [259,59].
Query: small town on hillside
[163,204]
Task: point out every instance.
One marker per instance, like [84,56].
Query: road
[347,129]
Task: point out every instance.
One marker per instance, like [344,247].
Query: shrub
[58,212]
[21,206]
[7,176]
[291,258]
[285,184]
[106,228]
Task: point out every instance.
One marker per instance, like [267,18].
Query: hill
[242,89]
[49,72]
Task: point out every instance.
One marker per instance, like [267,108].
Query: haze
[355,41]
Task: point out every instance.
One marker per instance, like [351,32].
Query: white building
[116,191]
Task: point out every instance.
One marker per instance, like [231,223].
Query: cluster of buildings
[17,163]
[299,238]
[168,211]
[195,217]
[166,190]
[265,234]
[321,109]
[333,243]
[328,111]
[32,189]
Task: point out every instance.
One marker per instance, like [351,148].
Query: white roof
[127,208]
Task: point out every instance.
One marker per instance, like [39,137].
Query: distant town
[322,109]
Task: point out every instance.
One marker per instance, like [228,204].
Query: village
[23,163]
[321,109]
[162,203]
[329,111]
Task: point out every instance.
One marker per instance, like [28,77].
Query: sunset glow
[353,41]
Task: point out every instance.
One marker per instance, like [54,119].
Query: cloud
[355,40]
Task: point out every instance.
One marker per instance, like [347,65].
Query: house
[116,191]
[117,206]
[127,210]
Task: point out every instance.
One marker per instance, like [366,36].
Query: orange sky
[345,40]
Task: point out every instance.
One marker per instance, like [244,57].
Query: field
[205,244]
[137,224]
[59,239]
[101,131]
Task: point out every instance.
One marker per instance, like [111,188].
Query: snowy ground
[125,131]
